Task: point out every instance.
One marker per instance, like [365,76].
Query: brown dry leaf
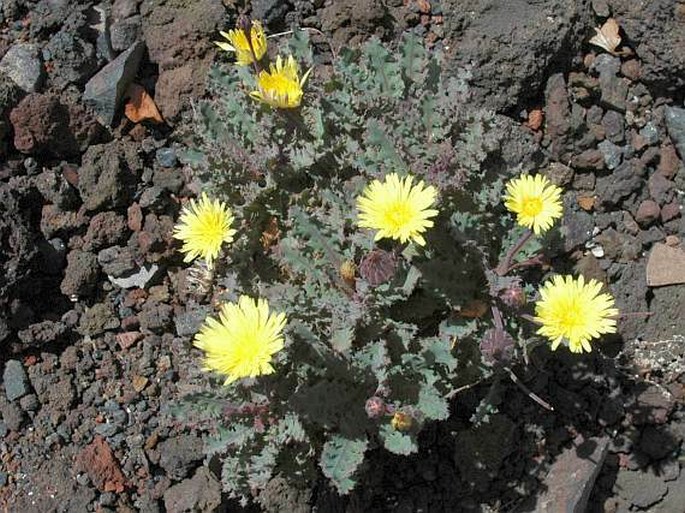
[271,235]
[586,202]
[140,106]
[607,37]
[535,118]
[474,309]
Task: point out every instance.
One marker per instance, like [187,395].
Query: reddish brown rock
[647,212]
[135,218]
[670,211]
[105,229]
[669,164]
[176,86]
[631,69]
[44,126]
[128,339]
[98,461]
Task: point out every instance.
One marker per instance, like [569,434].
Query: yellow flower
[239,44]
[397,209]
[572,310]
[203,227]
[535,201]
[242,341]
[281,86]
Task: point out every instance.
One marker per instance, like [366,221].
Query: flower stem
[505,265]
[527,391]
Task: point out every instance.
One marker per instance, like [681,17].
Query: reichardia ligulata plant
[363,336]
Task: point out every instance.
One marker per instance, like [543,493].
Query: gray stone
[22,64]
[665,266]
[625,180]
[614,88]
[640,488]
[166,157]
[601,8]
[612,154]
[613,124]
[570,480]
[105,91]
[15,380]
[200,493]
[189,321]
[650,133]
[178,454]
[116,262]
[125,33]
[675,123]
[511,67]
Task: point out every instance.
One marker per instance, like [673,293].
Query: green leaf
[432,404]
[288,429]
[340,459]
[236,435]
[301,47]
[413,277]
[440,351]
[341,339]
[397,442]
[413,57]
[262,466]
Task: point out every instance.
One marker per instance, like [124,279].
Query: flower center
[531,206]
[277,83]
[398,215]
[571,317]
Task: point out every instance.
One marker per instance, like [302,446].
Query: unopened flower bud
[378,267]
[348,272]
[375,407]
[401,421]
[244,23]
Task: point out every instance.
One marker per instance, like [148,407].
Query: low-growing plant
[371,248]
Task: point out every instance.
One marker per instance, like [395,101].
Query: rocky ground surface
[97,311]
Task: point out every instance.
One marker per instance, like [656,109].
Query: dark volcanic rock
[105,229]
[557,113]
[107,176]
[625,180]
[80,276]
[179,454]
[73,60]
[524,38]
[675,122]
[98,319]
[640,488]
[176,38]
[655,31]
[202,492]
[42,333]
[353,21]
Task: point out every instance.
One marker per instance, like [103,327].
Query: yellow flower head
[572,310]
[239,44]
[241,342]
[535,201]
[281,86]
[203,227]
[397,209]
